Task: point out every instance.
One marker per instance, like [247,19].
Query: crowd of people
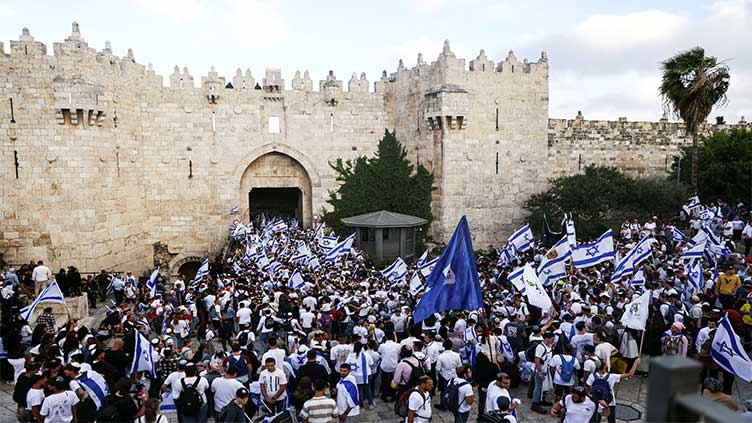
[273,328]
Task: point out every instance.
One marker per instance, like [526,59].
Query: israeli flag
[571,234]
[313,263]
[234,210]
[202,272]
[278,226]
[727,351]
[600,251]
[51,294]
[167,406]
[707,215]
[143,356]
[341,249]
[274,267]
[396,271]
[152,282]
[638,279]
[427,267]
[416,285]
[507,256]
[695,276]
[296,280]
[695,252]
[328,242]
[677,235]
[239,232]
[528,283]
[633,258]
[522,239]
[262,261]
[423,258]
[691,205]
[95,385]
[553,265]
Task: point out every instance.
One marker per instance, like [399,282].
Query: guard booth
[385,235]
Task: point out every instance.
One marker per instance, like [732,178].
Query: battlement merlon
[579,123]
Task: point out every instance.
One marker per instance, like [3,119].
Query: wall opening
[276,202]
[189,269]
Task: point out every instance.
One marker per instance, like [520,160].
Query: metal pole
[12,114]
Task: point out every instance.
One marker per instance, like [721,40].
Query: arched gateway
[277,184]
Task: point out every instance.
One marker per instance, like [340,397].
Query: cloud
[177,10]
[254,24]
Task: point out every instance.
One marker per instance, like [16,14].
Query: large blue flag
[728,353]
[143,356]
[453,284]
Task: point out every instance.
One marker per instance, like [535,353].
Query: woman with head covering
[674,342]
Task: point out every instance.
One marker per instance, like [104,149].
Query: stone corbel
[51,158]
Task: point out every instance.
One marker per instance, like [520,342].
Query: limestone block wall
[638,148]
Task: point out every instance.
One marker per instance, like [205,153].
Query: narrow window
[497,162]
[331,122]
[274,124]
[497,118]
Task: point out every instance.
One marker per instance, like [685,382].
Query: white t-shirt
[464,392]
[493,393]
[272,381]
[557,364]
[172,380]
[224,391]
[613,379]
[306,319]
[244,316]
[389,356]
[543,352]
[58,408]
[579,341]
[34,397]
[579,412]
[41,273]
[203,385]
[603,351]
[421,405]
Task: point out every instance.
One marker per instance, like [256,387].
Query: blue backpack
[567,369]
[239,363]
[601,390]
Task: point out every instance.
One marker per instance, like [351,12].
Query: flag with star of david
[600,251]
[522,239]
[143,356]
[727,351]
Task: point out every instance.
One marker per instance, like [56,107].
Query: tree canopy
[602,197]
[725,166]
[387,181]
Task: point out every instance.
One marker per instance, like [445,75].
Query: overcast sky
[604,55]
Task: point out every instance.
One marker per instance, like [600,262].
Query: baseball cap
[242,393]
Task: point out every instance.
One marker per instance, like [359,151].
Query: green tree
[691,86]
[725,171]
[601,198]
[387,181]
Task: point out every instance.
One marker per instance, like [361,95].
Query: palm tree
[692,85]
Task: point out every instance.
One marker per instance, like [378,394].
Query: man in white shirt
[59,407]
[447,364]
[40,275]
[543,353]
[273,382]
[274,352]
[604,350]
[564,369]
[389,352]
[224,389]
[171,381]
[419,402]
[579,407]
[400,324]
[499,388]
[306,320]
[465,392]
[191,380]
[579,341]
[347,395]
[243,315]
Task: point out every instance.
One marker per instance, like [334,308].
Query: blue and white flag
[454,283]
[95,385]
[600,251]
[416,285]
[553,265]
[274,268]
[296,280]
[638,279]
[167,406]
[695,276]
[696,252]
[143,356]
[341,249]
[152,282]
[677,235]
[239,232]
[507,256]
[278,226]
[262,261]
[396,271]
[571,234]
[529,285]
[313,263]
[326,243]
[427,267]
[202,272]
[633,258]
[51,294]
[522,239]
[727,351]
[423,258]
[692,204]
[234,210]
[706,215]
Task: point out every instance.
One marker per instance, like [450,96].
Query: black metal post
[12,114]
[190,169]
[15,161]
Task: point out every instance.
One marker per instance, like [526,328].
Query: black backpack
[451,396]
[189,400]
[108,412]
[416,373]
[530,351]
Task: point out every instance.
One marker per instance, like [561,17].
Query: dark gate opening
[276,202]
[189,270]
